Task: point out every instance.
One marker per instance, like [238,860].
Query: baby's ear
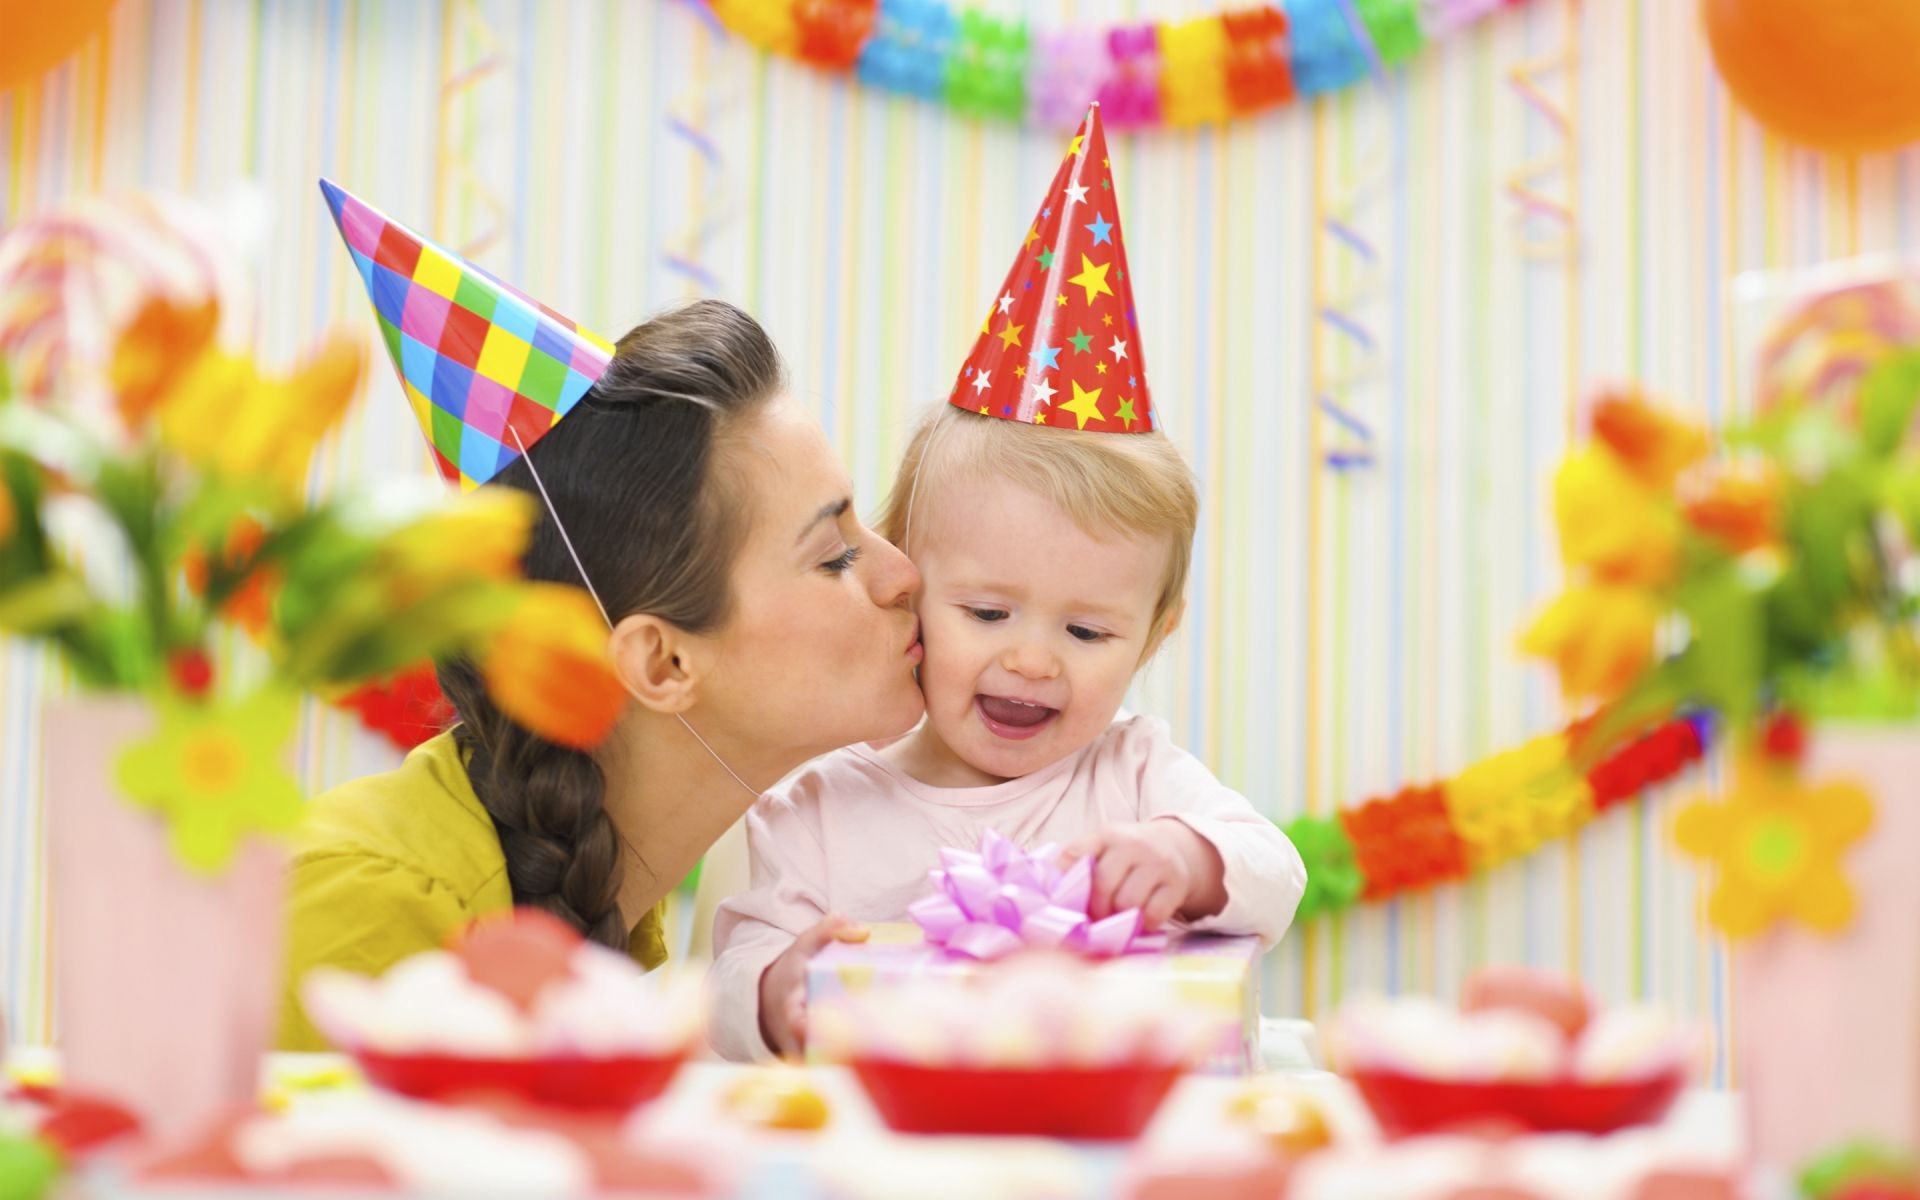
[1173,619]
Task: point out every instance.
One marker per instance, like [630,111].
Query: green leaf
[45,604]
[1900,493]
[1722,664]
[1888,396]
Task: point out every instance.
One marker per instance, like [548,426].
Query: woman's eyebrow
[830,511]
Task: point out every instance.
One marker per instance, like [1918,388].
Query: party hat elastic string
[567,541]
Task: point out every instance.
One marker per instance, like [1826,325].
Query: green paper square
[542,378]
[391,333]
[446,433]
[475,297]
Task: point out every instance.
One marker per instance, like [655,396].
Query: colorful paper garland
[1496,810]
[1153,73]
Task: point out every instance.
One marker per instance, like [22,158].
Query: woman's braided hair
[653,513]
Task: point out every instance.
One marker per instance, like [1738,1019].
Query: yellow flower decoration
[1610,523]
[1599,638]
[214,773]
[1510,804]
[1777,844]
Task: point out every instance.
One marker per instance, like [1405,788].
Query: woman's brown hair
[637,473]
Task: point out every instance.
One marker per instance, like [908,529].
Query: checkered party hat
[1061,344]
[487,369]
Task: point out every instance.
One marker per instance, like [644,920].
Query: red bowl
[1411,1104]
[1104,1103]
[589,1084]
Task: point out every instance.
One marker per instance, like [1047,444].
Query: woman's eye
[841,562]
[987,614]
[1085,634]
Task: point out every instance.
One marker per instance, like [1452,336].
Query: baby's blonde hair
[1134,484]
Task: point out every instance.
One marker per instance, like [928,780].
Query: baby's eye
[1087,635]
[987,614]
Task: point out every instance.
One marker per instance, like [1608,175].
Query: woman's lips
[1015,720]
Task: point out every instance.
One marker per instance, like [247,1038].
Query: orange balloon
[42,35]
[1838,75]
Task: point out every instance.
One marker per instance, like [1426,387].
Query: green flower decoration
[28,1167]
[1857,1165]
[214,773]
[1334,880]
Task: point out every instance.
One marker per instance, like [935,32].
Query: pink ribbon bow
[999,899]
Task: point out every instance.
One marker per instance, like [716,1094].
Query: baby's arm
[766,933]
[1246,878]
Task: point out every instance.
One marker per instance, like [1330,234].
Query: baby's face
[1032,627]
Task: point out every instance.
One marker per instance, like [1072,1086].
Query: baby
[1054,564]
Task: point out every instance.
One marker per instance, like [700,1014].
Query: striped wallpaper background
[1433,253]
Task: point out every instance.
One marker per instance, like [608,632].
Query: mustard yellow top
[394,864]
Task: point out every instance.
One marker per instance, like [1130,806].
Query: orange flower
[1651,444]
[1599,639]
[548,669]
[1740,511]
[1610,523]
[155,349]
[250,605]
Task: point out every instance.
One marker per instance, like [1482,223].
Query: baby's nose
[1031,660]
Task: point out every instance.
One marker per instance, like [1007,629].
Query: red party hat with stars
[1061,344]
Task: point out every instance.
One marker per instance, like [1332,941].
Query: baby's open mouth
[1011,718]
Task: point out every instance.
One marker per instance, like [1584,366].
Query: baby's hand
[783,985]
[1160,867]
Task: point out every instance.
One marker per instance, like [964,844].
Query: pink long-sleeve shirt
[853,834]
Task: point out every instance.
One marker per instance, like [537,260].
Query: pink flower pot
[166,981]
[1829,1027]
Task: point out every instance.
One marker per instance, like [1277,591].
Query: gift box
[1216,978]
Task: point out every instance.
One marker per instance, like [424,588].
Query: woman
[756,623]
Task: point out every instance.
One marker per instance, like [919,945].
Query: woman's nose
[1030,660]
[892,579]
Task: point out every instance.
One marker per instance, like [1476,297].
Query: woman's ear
[652,658]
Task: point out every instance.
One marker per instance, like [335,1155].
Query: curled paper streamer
[1527,184]
[996,900]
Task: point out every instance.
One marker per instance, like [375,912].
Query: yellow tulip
[480,535]
[221,415]
[1599,639]
[1610,523]
[548,669]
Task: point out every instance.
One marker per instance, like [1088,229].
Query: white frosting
[1631,1042]
[426,1148]
[1420,1036]
[430,1004]
[1041,1011]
